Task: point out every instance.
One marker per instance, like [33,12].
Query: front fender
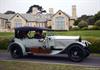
[83,44]
[23,48]
[86,42]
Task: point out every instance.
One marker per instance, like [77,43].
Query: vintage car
[26,42]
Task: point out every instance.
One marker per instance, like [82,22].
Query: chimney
[74,15]
[51,11]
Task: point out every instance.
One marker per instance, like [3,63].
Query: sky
[88,7]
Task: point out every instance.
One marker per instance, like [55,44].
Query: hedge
[4,42]
[94,47]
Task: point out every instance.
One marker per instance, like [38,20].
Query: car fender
[22,47]
[68,46]
[81,43]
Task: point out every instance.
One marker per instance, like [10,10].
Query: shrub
[94,28]
[4,43]
[85,28]
[97,23]
[95,45]
[82,24]
[75,28]
[77,22]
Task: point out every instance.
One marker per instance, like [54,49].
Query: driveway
[90,61]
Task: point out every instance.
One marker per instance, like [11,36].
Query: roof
[6,16]
[30,28]
[32,18]
[29,17]
[62,12]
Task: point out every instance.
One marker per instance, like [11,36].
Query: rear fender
[22,47]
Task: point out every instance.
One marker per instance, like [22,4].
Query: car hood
[64,37]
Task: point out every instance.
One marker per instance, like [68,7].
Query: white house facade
[56,21]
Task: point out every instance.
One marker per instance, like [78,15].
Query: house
[56,21]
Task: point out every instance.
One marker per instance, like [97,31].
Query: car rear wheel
[16,51]
[76,53]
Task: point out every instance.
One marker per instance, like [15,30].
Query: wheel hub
[75,53]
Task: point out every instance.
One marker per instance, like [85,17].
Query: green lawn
[6,34]
[15,65]
[85,33]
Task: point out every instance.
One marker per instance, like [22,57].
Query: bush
[97,23]
[95,45]
[94,28]
[4,43]
[75,28]
[82,24]
[85,28]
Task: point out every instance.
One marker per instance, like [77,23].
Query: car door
[36,45]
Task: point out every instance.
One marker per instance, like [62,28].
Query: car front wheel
[76,53]
[16,51]
[87,52]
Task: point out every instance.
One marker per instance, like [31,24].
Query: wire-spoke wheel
[76,53]
[16,51]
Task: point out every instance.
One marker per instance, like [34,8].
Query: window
[18,25]
[59,23]
[18,22]
[29,24]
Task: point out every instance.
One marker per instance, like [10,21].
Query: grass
[15,65]
[84,33]
[6,34]
[3,51]
[95,54]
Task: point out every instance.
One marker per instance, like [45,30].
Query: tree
[97,23]
[38,7]
[83,17]
[9,12]
[82,24]
[97,16]
[77,22]
[91,20]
